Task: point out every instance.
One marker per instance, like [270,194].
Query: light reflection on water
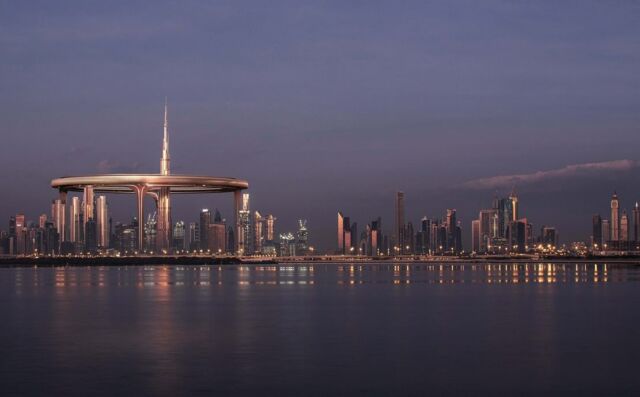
[341,274]
[321,329]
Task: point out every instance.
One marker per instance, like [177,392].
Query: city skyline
[366,110]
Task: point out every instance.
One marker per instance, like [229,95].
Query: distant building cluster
[431,236]
[87,228]
[615,233]
[501,230]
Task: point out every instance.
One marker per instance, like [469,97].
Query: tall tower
[636,222]
[615,220]
[163,227]
[102,222]
[340,233]
[399,218]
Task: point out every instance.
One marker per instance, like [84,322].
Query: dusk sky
[327,106]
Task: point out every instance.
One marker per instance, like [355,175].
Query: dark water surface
[419,329]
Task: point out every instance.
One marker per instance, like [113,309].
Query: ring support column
[140,192]
[237,204]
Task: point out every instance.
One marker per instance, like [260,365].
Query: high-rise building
[615,220]
[102,222]
[624,227]
[488,229]
[164,223]
[217,238]
[270,222]
[179,234]
[302,243]
[194,236]
[475,236]
[258,228]
[20,225]
[606,232]
[58,217]
[399,219]
[340,233]
[549,236]
[243,236]
[636,223]
[150,232]
[205,221]
[75,226]
[451,224]
[596,237]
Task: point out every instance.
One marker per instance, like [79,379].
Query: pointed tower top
[166,158]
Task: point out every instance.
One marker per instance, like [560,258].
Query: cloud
[115,167]
[570,171]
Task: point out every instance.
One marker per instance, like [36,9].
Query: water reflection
[155,277]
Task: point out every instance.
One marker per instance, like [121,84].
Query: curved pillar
[140,192]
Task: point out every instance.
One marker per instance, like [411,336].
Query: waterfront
[321,329]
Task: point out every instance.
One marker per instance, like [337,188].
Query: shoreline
[12,262]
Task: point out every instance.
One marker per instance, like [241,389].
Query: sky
[328,106]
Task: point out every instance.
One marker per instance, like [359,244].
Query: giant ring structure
[158,186]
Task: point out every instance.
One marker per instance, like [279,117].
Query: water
[321,330]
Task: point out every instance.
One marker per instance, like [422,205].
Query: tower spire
[166,158]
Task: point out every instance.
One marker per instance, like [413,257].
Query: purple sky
[327,106]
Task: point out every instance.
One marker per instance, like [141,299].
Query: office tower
[179,234]
[243,235]
[58,217]
[615,220]
[606,232]
[624,227]
[340,233]
[217,238]
[347,236]
[458,241]
[517,235]
[636,223]
[90,237]
[399,219]
[231,240]
[194,236]
[287,246]
[549,236]
[354,237]
[150,232]
[42,220]
[488,229]
[302,245]
[270,223]
[513,204]
[596,236]
[74,220]
[258,228]
[451,224]
[20,225]
[205,220]
[475,235]
[102,222]
[409,239]
[164,224]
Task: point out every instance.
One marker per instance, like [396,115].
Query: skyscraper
[399,219]
[75,226]
[258,228]
[302,244]
[179,236]
[475,235]
[606,232]
[270,221]
[58,217]
[102,222]
[164,224]
[340,233]
[20,225]
[244,220]
[205,220]
[636,223]
[615,220]
[624,228]
[597,240]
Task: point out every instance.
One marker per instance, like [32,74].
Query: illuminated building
[179,236]
[302,245]
[596,236]
[287,244]
[615,220]
[624,227]
[636,223]
[244,226]
[102,222]
[19,233]
[75,225]
[150,232]
[340,249]
[216,238]
[194,236]
[258,227]
[163,227]
[475,235]
[58,217]
[399,239]
[270,221]
[205,220]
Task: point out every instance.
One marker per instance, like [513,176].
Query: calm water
[321,330]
